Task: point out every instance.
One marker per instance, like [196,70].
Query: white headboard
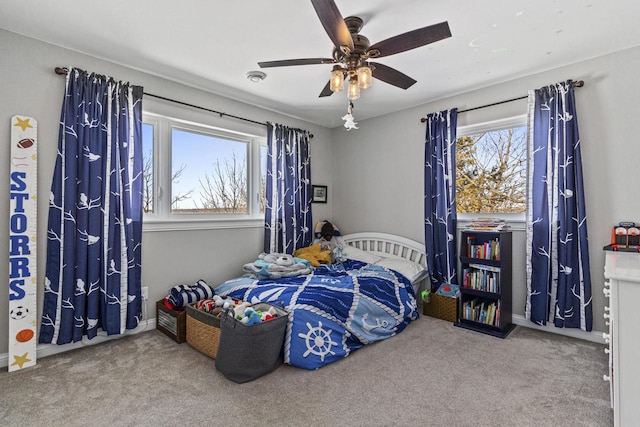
[388,245]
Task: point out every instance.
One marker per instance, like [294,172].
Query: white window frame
[517,121]
[162,219]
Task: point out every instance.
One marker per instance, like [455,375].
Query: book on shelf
[485,267]
[482,280]
[482,312]
[483,250]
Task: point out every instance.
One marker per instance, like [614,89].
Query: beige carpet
[432,374]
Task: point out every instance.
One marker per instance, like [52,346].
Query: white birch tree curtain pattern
[558,277]
[95,212]
[288,206]
[440,217]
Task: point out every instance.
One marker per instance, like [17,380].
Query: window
[491,169]
[208,174]
[199,176]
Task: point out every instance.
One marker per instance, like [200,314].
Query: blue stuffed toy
[251,317]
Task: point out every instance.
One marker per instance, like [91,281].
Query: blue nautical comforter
[334,310]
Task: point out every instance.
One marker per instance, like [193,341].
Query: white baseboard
[593,336]
[44,350]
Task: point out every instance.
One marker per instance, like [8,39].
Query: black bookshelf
[485,282]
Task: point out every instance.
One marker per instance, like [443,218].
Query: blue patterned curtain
[558,278]
[440,216]
[95,212]
[288,212]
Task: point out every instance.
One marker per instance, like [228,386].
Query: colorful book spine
[482,312]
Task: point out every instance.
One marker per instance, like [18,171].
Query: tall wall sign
[23,277]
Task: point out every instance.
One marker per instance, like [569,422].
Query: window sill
[152,225]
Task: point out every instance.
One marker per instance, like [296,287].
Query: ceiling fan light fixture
[337,80]
[364,77]
[353,92]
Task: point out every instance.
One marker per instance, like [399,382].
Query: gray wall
[30,87]
[378,169]
[374,174]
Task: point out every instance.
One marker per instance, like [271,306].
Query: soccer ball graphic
[19,312]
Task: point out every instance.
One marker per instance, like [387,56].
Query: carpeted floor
[432,374]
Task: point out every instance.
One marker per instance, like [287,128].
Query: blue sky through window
[193,157]
[196,154]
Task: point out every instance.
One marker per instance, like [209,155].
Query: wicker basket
[203,331]
[171,322]
[441,307]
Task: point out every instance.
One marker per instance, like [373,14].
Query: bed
[339,308]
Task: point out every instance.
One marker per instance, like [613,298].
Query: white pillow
[409,269]
[352,252]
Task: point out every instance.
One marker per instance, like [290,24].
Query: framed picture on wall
[319,194]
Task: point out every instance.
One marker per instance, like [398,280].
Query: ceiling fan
[352,52]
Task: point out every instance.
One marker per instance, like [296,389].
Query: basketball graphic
[24,335]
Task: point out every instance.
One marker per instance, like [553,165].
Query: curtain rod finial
[61,70]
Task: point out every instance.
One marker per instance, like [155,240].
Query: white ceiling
[213,44]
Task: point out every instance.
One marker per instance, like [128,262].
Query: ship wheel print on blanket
[318,341]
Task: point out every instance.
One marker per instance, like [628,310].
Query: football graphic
[19,312]
[25,143]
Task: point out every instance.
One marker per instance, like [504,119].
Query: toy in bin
[448,290]
[626,235]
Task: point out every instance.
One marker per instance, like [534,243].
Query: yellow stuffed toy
[314,254]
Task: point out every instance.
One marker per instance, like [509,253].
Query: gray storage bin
[249,352]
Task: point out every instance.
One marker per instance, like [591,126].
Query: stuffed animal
[251,317]
[314,254]
[284,260]
[239,310]
[226,302]
[206,305]
[339,255]
[322,224]
[327,236]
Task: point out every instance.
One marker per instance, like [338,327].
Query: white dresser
[622,286]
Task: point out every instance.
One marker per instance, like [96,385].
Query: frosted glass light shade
[354,88]
[337,81]
[364,77]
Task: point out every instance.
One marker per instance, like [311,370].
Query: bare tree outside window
[147,176]
[224,190]
[177,197]
[209,172]
[491,172]
[147,167]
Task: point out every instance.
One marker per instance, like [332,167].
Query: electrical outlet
[145,293]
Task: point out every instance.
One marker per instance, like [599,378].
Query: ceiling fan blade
[392,76]
[333,23]
[326,91]
[289,62]
[411,40]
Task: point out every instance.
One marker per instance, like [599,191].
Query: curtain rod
[579,83]
[63,71]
